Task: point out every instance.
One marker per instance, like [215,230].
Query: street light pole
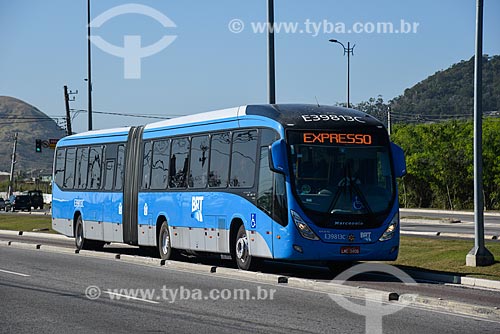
[270,52]
[89,76]
[347,50]
[479,255]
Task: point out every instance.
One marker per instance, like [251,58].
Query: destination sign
[337,138]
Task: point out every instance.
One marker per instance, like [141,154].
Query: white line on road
[14,273]
[128,297]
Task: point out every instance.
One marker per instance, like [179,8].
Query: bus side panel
[100,221]
[201,221]
[62,212]
[112,218]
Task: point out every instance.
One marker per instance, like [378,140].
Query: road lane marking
[129,297]
[14,273]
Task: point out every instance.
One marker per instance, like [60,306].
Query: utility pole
[67,99]
[13,162]
[89,76]
[270,52]
[478,255]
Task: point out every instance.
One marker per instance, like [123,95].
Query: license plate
[350,250]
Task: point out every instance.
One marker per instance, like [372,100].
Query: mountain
[451,91]
[30,124]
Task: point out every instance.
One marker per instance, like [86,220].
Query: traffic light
[38,146]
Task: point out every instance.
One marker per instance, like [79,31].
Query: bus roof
[217,115]
[297,116]
[288,115]
[313,116]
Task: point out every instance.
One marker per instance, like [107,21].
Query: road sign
[52,143]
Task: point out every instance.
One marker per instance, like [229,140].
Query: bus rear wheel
[164,243]
[81,242]
[244,260]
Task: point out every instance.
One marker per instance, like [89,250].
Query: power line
[28,121]
[153,116]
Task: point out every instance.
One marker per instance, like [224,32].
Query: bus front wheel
[242,253]
[164,244]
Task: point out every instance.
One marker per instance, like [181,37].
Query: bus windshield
[341,173]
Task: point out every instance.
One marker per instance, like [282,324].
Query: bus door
[133,161]
[262,225]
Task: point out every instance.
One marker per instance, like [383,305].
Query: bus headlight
[389,233]
[303,228]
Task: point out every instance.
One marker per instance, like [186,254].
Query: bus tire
[80,241]
[244,260]
[164,243]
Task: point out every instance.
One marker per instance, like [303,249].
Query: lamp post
[270,52]
[479,255]
[89,77]
[349,51]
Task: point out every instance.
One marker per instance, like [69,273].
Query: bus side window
[110,174]
[69,175]
[243,159]
[95,168]
[198,173]
[120,168]
[59,168]
[146,165]
[219,160]
[82,164]
[159,171]
[179,163]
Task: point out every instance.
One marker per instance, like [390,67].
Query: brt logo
[197,208]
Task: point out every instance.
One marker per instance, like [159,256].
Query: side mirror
[399,160]
[278,157]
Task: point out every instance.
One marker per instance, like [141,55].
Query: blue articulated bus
[286,181]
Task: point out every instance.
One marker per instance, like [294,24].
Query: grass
[25,222]
[445,256]
[432,254]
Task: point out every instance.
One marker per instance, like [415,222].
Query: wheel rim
[165,238]
[242,248]
[79,234]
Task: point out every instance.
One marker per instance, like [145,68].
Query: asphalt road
[459,223]
[46,292]
[434,289]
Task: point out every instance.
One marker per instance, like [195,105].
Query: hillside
[31,124]
[451,91]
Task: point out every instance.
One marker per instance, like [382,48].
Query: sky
[217,57]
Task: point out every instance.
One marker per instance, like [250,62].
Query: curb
[471,213]
[34,234]
[448,235]
[421,275]
[490,313]
[454,279]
